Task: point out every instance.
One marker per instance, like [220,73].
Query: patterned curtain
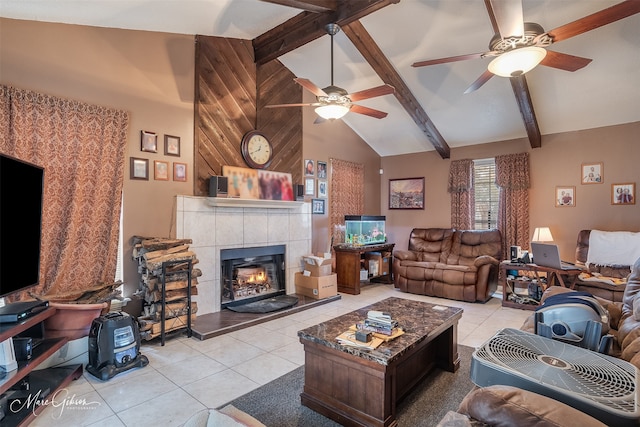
[81,148]
[462,194]
[512,177]
[347,195]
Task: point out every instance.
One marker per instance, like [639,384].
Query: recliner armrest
[405,255]
[485,259]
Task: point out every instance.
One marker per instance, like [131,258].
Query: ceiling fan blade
[479,82]
[564,61]
[509,17]
[595,20]
[368,111]
[319,120]
[372,92]
[292,105]
[310,86]
[449,59]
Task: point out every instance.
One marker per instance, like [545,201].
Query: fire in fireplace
[252,274]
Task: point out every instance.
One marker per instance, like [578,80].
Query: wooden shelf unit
[349,261]
[45,381]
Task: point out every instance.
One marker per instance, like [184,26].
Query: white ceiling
[605,92]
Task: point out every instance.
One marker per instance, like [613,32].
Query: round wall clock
[256,149]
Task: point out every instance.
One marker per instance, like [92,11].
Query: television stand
[46,381]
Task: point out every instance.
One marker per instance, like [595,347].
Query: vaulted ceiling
[379,42]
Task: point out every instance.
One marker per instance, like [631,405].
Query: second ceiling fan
[333,102]
[519,46]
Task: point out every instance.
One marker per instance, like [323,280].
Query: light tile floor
[187,375]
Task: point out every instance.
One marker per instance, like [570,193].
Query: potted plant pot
[72,320]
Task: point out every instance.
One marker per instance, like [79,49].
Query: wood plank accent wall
[230,94]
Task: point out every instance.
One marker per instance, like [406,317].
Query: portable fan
[599,385]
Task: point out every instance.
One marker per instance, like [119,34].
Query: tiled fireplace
[233,224]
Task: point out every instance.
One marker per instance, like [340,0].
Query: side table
[553,276]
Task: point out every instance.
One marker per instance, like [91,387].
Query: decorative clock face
[256,150]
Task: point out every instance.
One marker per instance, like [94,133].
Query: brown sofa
[448,263]
[608,287]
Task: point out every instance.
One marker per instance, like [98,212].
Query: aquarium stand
[351,260]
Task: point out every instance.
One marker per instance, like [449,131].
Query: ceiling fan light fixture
[517,61]
[332,111]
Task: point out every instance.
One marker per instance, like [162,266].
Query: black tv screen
[21,191]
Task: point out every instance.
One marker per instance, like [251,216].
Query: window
[486,194]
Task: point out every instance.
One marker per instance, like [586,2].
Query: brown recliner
[447,263]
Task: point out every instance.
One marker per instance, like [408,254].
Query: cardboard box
[318,266]
[316,287]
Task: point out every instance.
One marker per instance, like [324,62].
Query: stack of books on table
[378,322]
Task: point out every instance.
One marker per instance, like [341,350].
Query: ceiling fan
[518,46]
[333,102]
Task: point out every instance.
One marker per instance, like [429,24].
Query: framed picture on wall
[592,173]
[309,169]
[317,206]
[322,170]
[309,187]
[322,188]
[148,141]
[139,168]
[160,170]
[565,196]
[407,193]
[172,145]
[623,194]
[179,171]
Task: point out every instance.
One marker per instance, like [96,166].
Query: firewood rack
[163,313]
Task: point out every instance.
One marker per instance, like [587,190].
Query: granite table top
[419,320]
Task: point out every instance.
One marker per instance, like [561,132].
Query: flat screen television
[21,192]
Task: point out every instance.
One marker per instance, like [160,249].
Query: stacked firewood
[151,253]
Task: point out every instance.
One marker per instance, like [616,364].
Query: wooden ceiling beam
[317,6]
[308,26]
[363,41]
[523,97]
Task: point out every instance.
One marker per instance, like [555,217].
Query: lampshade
[517,61]
[332,111]
[542,234]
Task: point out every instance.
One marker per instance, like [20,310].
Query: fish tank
[364,230]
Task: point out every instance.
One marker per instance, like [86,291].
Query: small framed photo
[317,206]
[565,196]
[322,188]
[172,145]
[309,187]
[623,194]
[322,170]
[139,168]
[309,169]
[160,170]
[179,171]
[148,141]
[406,193]
[592,173]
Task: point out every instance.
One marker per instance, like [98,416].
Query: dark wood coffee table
[362,388]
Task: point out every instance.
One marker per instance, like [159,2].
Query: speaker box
[299,192]
[218,186]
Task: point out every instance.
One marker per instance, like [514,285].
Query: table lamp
[542,234]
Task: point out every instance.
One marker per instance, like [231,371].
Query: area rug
[277,404]
[266,305]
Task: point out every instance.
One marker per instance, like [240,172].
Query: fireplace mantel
[234,202]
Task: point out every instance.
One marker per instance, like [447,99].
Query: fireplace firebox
[252,274]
